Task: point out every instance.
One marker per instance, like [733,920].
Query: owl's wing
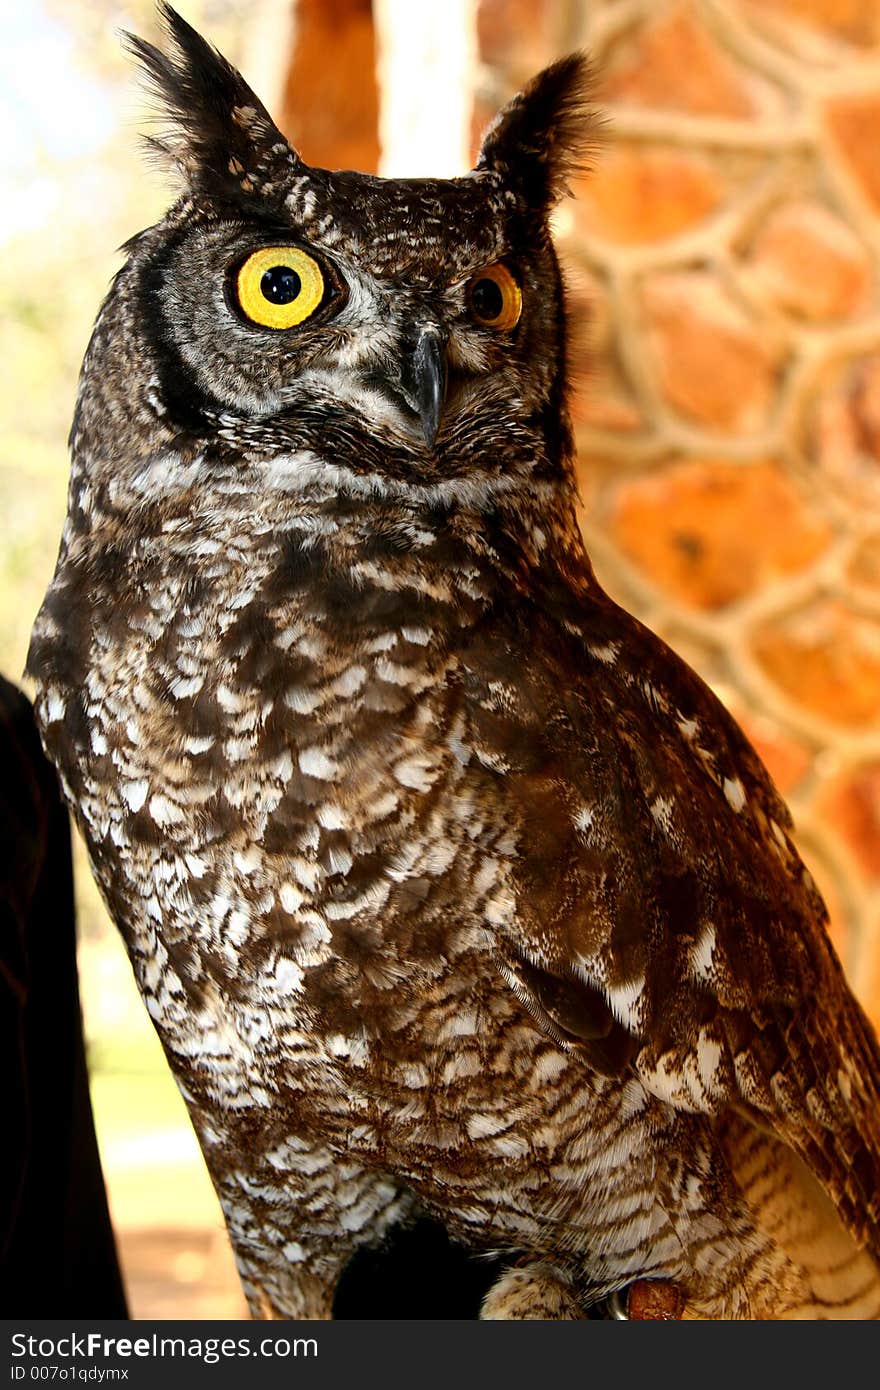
[664,921]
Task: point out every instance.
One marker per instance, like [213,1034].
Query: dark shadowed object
[57,1254]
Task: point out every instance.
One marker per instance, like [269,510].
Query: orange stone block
[853,21]
[637,194]
[674,63]
[710,532]
[600,396]
[808,262]
[864,567]
[851,803]
[714,364]
[842,431]
[854,122]
[599,401]
[825,657]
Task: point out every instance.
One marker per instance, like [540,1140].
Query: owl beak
[424,381]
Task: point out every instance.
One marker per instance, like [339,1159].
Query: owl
[451,891]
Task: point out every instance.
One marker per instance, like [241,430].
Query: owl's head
[411,331]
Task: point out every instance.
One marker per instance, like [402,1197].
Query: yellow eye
[495,298]
[279,286]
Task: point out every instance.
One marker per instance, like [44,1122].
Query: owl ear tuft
[546,134]
[214,124]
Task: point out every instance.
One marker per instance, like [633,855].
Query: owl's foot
[535,1291]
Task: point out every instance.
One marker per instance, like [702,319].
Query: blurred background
[723,259]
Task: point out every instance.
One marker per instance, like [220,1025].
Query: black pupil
[280,284]
[487,299]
